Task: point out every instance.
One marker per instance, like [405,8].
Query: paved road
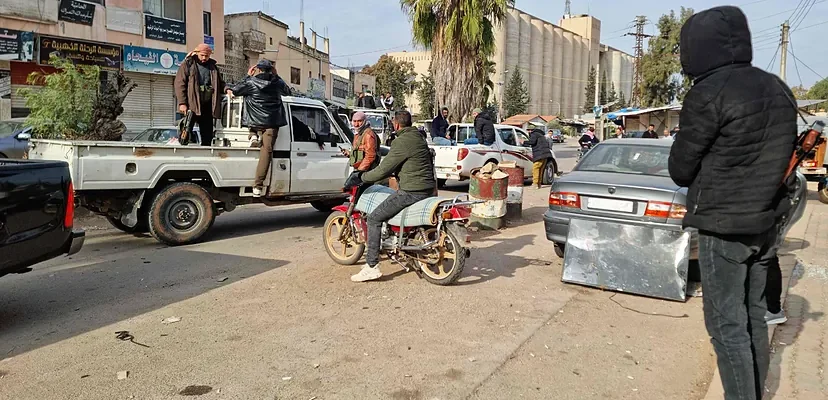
[266,315]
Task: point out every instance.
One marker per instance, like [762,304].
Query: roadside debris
[195,390]
[123,375]
[125,336]
[222,279]
[287,378]
[171,320]
[490,171]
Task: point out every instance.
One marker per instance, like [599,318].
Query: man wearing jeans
[738,133]
[409,159]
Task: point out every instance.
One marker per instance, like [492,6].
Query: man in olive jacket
[409,159]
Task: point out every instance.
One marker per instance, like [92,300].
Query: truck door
[511,149]
[314,169]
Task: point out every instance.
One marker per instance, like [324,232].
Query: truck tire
[549,173]
[140,227]
[441,183]
[326,205]
[823,192]
[181,214]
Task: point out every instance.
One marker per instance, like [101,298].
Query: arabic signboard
[167,30]
[76,11]
[106,56]
[152,61]
[5,84]
[16,45]
[210,41]
[123,20]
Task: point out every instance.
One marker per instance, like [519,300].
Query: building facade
[357,82]
[299,63]
[147,39]
[422,62]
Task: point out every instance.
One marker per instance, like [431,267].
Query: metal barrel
[493,192]
[514,195]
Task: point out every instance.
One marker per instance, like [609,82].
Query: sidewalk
[798,346]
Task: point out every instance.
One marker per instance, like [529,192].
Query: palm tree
[485,81]
[460,34]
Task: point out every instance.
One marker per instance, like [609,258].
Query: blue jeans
[392,206]
[441,141]
[734,271]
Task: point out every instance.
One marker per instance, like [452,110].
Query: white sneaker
[776,319]
[367,273]
[257,192]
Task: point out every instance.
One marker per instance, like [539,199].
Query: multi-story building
[421,61]
[147,39]
[300,64]
[554,61]
[357,82]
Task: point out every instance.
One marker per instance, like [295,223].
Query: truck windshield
[376,121]
[8,128]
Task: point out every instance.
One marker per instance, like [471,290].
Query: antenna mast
[568,9]
[640,22]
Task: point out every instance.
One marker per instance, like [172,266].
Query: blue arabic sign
[152,61]
[210,41]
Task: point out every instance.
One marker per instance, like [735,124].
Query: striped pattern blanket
[419,214]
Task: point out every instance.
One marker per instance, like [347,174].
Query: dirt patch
[196,390]
[144,153]
[454,374]
[222,155]
[405,394]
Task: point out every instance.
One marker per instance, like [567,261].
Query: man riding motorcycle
[410,160]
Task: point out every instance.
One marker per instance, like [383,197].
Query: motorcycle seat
[422,213]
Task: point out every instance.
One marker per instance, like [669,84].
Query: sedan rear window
[627,159]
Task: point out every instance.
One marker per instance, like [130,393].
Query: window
[208,24]
[101,2]
[271,41]
[508,136]
[521,136]
[311,122]
[364,88]
[309,75]
[452,133]
[627,159]
[295,76]
[172,9]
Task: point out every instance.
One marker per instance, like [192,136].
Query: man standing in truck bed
[198,85]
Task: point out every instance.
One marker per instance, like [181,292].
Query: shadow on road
[40,310]
[495,261]
[264,221]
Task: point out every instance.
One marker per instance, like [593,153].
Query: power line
[798,10]
[805,15]
[773,59]
[796,64]
[811,26]
[806,65]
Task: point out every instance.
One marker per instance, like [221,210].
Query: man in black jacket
[439,126]
[738,133]
[650,133]
[263,90]
[541,153]
[483,127]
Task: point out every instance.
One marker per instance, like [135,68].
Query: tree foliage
[425,93]
[589,91]
[516,96]
[800,93]
[484,80]
[662,82]
[460,35]
[392,77]
[819,91]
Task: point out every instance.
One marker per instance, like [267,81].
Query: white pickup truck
[176,192]
[456,162]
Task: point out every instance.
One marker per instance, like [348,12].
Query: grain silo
[586,66]
[557,71]
[524,45]
[568,70]
[512,42]
[575,102]
[536,67]
[548,76]
[498,58]
[628,75]
[617,71]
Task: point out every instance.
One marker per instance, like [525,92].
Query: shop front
[16,52]
[152,102]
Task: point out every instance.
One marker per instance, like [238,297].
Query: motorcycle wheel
[449,268]
[347,253]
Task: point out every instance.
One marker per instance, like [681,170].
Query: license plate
[610,205]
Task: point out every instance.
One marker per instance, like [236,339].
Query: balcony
[254,41]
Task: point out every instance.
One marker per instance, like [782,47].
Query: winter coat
[541,147]
[738,128]
[439,126]
[263,100]
[588,140]
[410,160]
[369,102]
[187,88]
[484,128]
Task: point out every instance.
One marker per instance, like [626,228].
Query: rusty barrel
[493,192]
[514,192]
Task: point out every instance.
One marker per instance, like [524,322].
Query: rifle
[185,128]
[805,144]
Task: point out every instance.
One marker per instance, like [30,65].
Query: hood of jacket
[483,116]
[713,39]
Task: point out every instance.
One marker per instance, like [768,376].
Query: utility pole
[599,126]
[783,62]
[640,22]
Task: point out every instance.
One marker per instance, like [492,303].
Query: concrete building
[146,39]
[299,63]
[618,67]
[357,82]
[421,61]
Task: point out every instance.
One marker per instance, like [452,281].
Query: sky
[362,32]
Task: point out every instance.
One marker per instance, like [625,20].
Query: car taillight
[659,209]
[69,217]
[808,164]
[462,154]
[564,199]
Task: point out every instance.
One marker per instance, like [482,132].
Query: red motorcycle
[434,247]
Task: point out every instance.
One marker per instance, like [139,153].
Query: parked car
[558,136]
[626,181]
[163,135]
[37,210]
[14,138]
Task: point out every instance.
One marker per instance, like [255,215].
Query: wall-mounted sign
[164,29]
[123,20]
[37,10]
[152,61]
[76,11]
[210,41]
[106,56]
[16,45]
[5,84]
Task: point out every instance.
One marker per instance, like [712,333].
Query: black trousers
[205,124]
[773,288]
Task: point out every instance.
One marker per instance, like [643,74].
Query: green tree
[516,95]
[800,93]
[460,35]
[622,101]
[392,77]
[612,96]
[604,94]
[662,81]
[589,91]
[426,96]
[819,91]
[62,109]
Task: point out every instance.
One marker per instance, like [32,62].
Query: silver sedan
[626,181]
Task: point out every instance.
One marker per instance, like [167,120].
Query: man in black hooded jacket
[738,128]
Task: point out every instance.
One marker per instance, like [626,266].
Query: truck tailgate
[445,156]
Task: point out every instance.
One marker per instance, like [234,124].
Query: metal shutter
[137,114]
[163,100]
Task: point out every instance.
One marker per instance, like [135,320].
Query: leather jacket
[263,100]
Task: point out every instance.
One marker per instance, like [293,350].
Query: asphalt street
[258,311]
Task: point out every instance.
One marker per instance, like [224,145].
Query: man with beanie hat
[483,127]
[263,90]
[738,133]
[198,85]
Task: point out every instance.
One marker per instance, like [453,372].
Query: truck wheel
[441,183]
[140,227]
[560,249]
[823,192]
[181,214]
[325,205]
[549,173]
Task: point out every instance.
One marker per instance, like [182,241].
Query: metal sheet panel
[137,114]
[163,100]
[627,258]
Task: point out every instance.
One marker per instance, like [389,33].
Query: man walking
[263,90]
[483,127]
[198,85]
[541,153]
[734,164]
[650,133]
[439,127]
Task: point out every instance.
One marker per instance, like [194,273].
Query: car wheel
[560,249]
[823,192]
[550,171]
[181,214]
[441,183]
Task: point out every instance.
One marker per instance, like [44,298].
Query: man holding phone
[364,155]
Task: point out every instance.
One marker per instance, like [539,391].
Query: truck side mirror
[23,136]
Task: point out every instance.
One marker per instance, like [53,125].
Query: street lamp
[559,107]
[500,106]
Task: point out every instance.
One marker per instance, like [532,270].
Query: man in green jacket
[410,160]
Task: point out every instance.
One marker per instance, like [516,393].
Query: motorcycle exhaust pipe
[423,246]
